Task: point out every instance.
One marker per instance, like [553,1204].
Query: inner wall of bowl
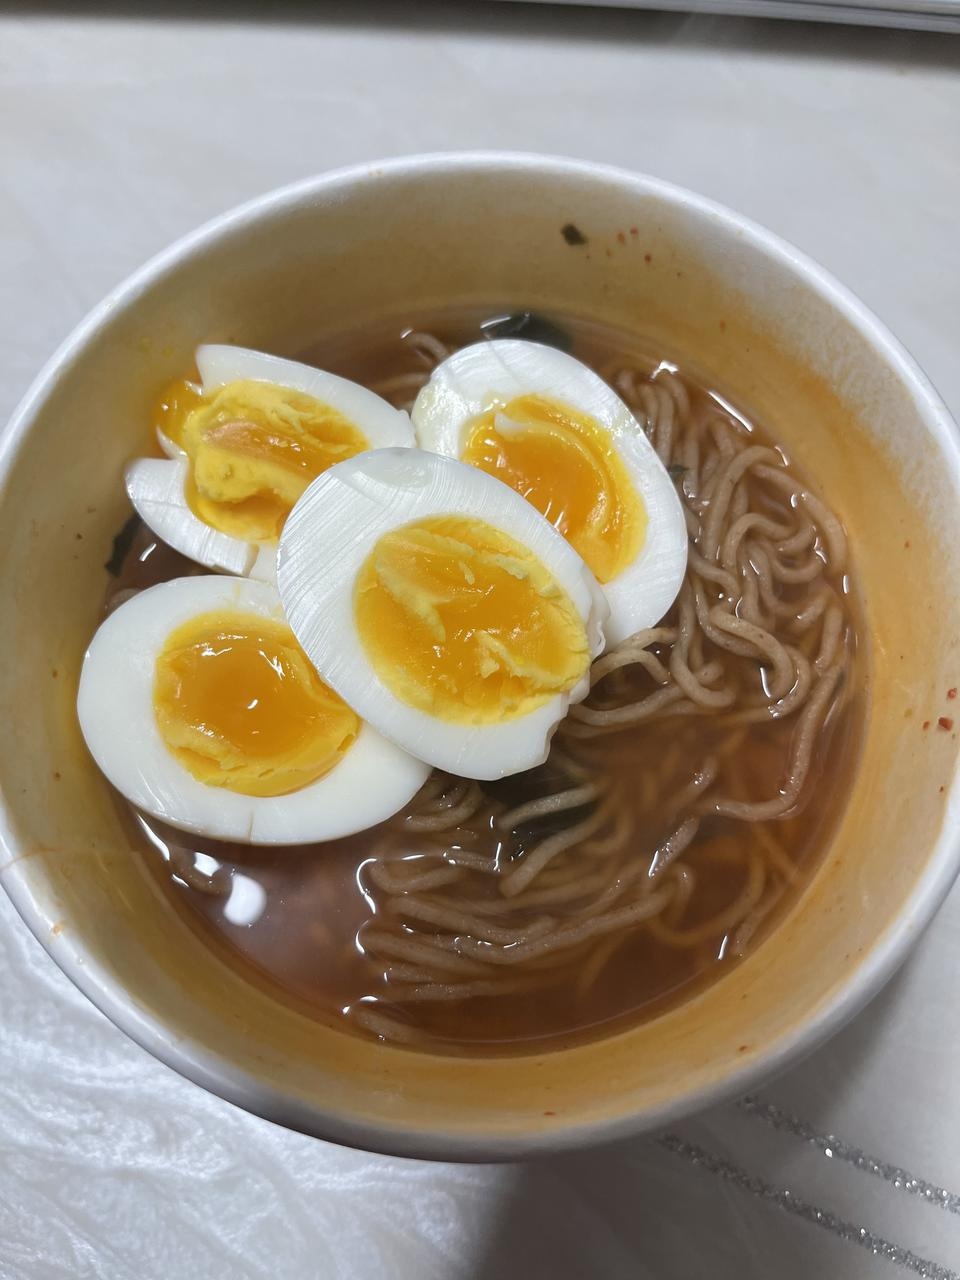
[344,254]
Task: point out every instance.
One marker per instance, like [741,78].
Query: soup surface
[683,806]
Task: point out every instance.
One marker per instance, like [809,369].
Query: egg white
[156,489]
[326,540]
[115,707]
[155,486]
[470,381]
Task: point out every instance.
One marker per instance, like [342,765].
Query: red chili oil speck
[945,723]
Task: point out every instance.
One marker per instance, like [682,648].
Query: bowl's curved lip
[474,1141]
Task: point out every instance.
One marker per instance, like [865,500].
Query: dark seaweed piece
[529,326]
[572,234]
[675,471]
[121,545]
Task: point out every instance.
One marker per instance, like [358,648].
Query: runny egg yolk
[177,399]
[239,705]
[463,622]
[565,464]
[254,448]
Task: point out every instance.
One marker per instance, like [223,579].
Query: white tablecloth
[116,135]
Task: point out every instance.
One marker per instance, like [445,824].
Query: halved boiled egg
[442,607]
[555,432]
[200,707]
[242,447]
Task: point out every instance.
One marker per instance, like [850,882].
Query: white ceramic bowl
[719,294]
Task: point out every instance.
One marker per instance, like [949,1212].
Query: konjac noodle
[682,809]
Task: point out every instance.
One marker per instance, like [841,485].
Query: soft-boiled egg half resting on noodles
[554,431]
[442,607]
[243,446]
[200,707]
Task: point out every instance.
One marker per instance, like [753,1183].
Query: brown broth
[289,918]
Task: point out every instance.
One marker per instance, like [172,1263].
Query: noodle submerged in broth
[682,806]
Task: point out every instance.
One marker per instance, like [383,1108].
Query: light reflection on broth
[682,810]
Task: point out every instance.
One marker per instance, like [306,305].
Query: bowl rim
[214,1072]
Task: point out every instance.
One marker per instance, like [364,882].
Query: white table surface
[117,135]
